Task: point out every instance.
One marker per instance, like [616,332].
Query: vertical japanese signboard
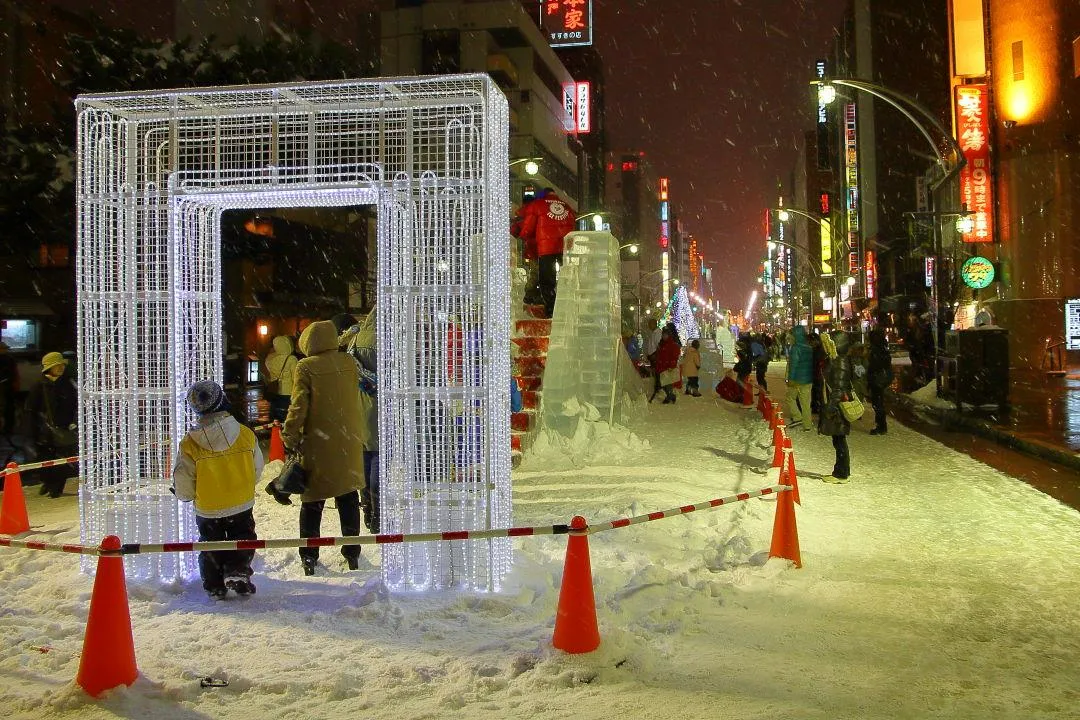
[1072,324]
[665,220]
[577,107]
[851,182]
[871,274]
[973,133]
[567,22]
[584,111]
[824,160]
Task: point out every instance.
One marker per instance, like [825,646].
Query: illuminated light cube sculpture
[156,170]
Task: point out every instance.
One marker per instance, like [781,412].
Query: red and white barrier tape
[38,465]
[75,458]
[637,519]
[388,539]
[55,547]
[143,548]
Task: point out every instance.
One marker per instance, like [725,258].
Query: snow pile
[932,587]
[585,438]
[927,395]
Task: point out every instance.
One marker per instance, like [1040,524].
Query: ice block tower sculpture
[155,171]
[587,366]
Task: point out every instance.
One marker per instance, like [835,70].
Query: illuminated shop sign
[826,247]
[665,223]
[977,272]
[929,266]
[567,22]
[871,275]
[851,181]
[577,108]
[1072,324]
[973,132]
[584,111]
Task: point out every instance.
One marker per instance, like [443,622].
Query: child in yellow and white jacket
[217,467]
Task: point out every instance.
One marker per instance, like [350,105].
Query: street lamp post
[951,162]
[784,214]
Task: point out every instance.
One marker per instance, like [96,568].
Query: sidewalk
[1043,418]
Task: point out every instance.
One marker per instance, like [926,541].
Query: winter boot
[240,585]
[833,480]
[309,565]
[217,593]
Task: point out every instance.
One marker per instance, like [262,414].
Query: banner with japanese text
[973,133]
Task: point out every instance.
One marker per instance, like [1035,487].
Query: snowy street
[932,586]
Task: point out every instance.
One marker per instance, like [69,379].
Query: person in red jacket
[547,220]
[667,362]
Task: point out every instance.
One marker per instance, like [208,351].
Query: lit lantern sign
[567,22]
[977,272]
[929,272]
[973,132]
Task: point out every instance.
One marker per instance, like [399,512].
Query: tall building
[877,157]
[1016,87]
[499,38]
[638,216]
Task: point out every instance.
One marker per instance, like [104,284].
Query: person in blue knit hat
[217,467]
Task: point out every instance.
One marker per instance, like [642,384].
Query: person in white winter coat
[278,372]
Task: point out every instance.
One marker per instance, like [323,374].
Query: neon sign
[567,22]
[977,272]
[973,132]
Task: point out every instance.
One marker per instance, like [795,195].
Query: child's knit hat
[206,396]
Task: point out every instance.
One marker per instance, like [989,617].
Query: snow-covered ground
[932,586]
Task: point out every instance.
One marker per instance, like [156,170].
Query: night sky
[715,92]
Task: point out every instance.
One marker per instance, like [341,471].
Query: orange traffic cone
[13,518]
[785,535]
[575,624]
[748,395]
[787,474]
[277,448]
[108,655]
[778,445]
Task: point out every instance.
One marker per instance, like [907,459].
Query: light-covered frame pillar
[155,172]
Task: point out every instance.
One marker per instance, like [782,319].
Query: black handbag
[293,477]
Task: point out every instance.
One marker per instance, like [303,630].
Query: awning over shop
[29,307]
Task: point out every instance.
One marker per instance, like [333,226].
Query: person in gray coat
[832,422]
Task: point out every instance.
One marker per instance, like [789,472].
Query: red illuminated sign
[567,22]
[825,204]
[973,133]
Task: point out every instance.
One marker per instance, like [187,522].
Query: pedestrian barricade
[108,657]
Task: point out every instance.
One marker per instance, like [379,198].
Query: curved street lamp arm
[905,105]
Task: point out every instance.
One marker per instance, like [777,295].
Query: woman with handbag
[325,428]
[832,421]
[53,412]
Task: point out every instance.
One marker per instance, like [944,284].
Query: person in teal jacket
[800,378]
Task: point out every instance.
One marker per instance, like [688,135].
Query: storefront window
[19,334]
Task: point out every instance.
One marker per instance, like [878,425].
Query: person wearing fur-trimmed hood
[837,387]
[325,427]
